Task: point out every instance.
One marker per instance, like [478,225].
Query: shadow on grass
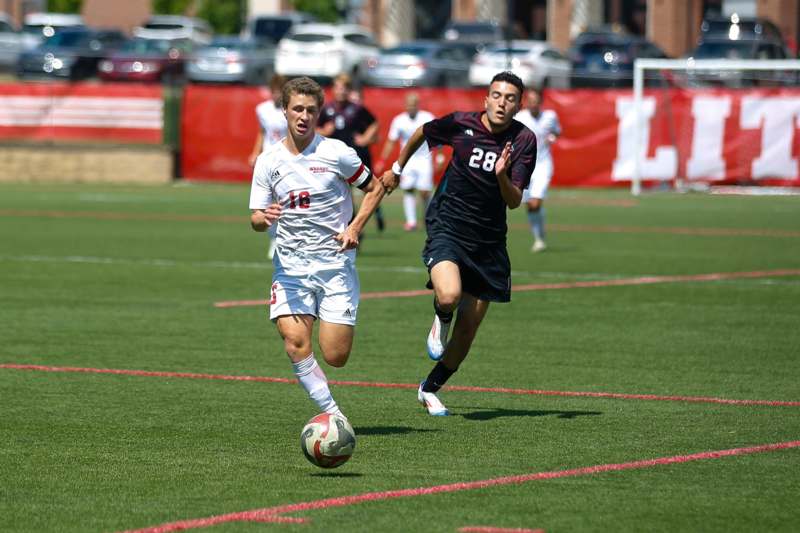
[389,430]
[491,414]
[336,474]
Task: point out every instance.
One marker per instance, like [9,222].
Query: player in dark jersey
[465,252]
[352,123]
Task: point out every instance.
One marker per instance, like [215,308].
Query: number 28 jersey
[467,205]
[313,189]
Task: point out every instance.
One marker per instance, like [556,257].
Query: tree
[324,10]
[64,6]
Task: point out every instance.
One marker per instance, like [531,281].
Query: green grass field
[126,278]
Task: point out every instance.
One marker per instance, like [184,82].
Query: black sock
[444,316]
[437,378]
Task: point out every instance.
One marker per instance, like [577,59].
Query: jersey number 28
[489,159]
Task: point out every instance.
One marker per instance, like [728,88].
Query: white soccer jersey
[401,129]
[313,189]
[272,122]
[543,126]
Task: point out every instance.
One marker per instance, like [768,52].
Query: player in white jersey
[272,128]
[302,185]
[418,172]
[544,123]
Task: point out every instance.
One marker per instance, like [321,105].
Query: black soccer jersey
[348,119]
[467,205]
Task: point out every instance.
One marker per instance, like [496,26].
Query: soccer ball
[328,440]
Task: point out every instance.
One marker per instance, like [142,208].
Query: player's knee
[336,358]
[296,346]
[534,205]
[448,299]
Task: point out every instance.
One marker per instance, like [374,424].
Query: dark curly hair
[509,77]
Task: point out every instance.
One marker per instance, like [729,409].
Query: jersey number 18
[302,200]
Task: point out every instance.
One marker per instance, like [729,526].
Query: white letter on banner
[663,166]
[709,115]
[776,118]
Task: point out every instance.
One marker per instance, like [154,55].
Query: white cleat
[431,402]
[538,246]
[437,338]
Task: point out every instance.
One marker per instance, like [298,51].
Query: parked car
[232,59]
[273,28]
[724,48]
[11,42]
[537,63]
[607,61]
[72,53]
[418,63]
[735,27]
[148,60]
[324,50]
[175,27]
[41,26]
[477,34]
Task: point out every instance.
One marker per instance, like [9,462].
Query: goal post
[727,73]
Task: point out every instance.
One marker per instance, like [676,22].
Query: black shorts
[485,270]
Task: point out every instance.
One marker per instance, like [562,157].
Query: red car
[148,60]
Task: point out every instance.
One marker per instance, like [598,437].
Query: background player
[272,128]
[303,183]
[544,123]
[418,172]
[352,123]
[465,252]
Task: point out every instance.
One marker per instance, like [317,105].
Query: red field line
[642,280]
[712,232]
[269,512]
[111,215]
[492,529]
[378,385]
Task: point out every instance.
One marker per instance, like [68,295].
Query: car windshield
[406,50]
[68,38]
[143,46]
[507,51]
[231,43]
[474,29]
[163,26]
[273,29]
[312,37]
[724,50]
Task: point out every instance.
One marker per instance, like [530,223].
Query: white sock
[410,207]
[536,219]
[313,380]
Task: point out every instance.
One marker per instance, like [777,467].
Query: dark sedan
[607,60]
[72,53]
[419,63]
[148,60]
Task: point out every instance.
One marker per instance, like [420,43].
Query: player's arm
[256,148]
[370,135]
[261,219]
[373,194]
[379,165]
[391,177]
[511,194]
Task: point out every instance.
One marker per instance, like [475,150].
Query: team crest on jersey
[319,170]
[469,132]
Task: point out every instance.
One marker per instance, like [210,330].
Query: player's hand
[501,166]
[390,180]
[348,238]
[265,217]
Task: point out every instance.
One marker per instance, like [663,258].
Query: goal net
[692,124]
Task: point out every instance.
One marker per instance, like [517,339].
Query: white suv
[324,50]
[175,27]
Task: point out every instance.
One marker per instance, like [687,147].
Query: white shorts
[417,175]
[540,181]
[330,295]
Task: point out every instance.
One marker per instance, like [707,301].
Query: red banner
[724,136]
[82,111]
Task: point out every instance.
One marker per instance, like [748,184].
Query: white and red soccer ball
[328,440]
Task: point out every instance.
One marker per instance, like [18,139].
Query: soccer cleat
[437,338]
[538,246]
[431,402]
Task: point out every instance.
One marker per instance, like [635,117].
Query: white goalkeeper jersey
[403,126]
[313,189]
[543,125]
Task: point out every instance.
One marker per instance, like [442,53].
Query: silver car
[229,59]
[419,64]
